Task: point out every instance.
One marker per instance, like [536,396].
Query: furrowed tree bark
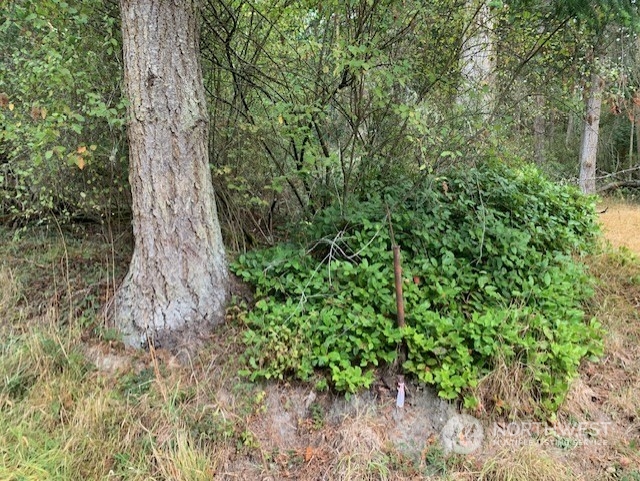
[176,287]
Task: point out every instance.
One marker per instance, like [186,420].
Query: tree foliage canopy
[309,101]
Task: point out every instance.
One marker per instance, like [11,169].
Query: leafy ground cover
[75,404]
[490,277]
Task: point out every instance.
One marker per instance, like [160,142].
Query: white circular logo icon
[462,434]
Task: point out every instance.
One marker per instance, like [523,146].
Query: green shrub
[62,118]
[488,274]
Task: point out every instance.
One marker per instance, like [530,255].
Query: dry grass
[9,297]
[71,422]
[621,224]
[181,460]
[527,463]
[614,383]
[359,449]
[608,391]
[504,390]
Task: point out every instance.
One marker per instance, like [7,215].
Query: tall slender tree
[176,286]
[598,18]
[590,134]
[478,59]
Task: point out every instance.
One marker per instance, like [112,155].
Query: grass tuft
[506,390]
[10,312]
[179,459]
[527,463]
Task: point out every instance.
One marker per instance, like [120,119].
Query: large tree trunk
[176,286]
[591,131]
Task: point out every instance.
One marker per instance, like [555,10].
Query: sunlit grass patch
[620,223]
[30,454]
[180,459]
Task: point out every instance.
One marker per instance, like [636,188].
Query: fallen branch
[621,183]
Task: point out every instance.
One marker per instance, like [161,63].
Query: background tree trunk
[176,286]
[539,130]
[478,60]
[591,128]
[635,121]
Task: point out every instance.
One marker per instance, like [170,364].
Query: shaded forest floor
[76,404]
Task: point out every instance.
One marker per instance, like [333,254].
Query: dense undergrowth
[491,275]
